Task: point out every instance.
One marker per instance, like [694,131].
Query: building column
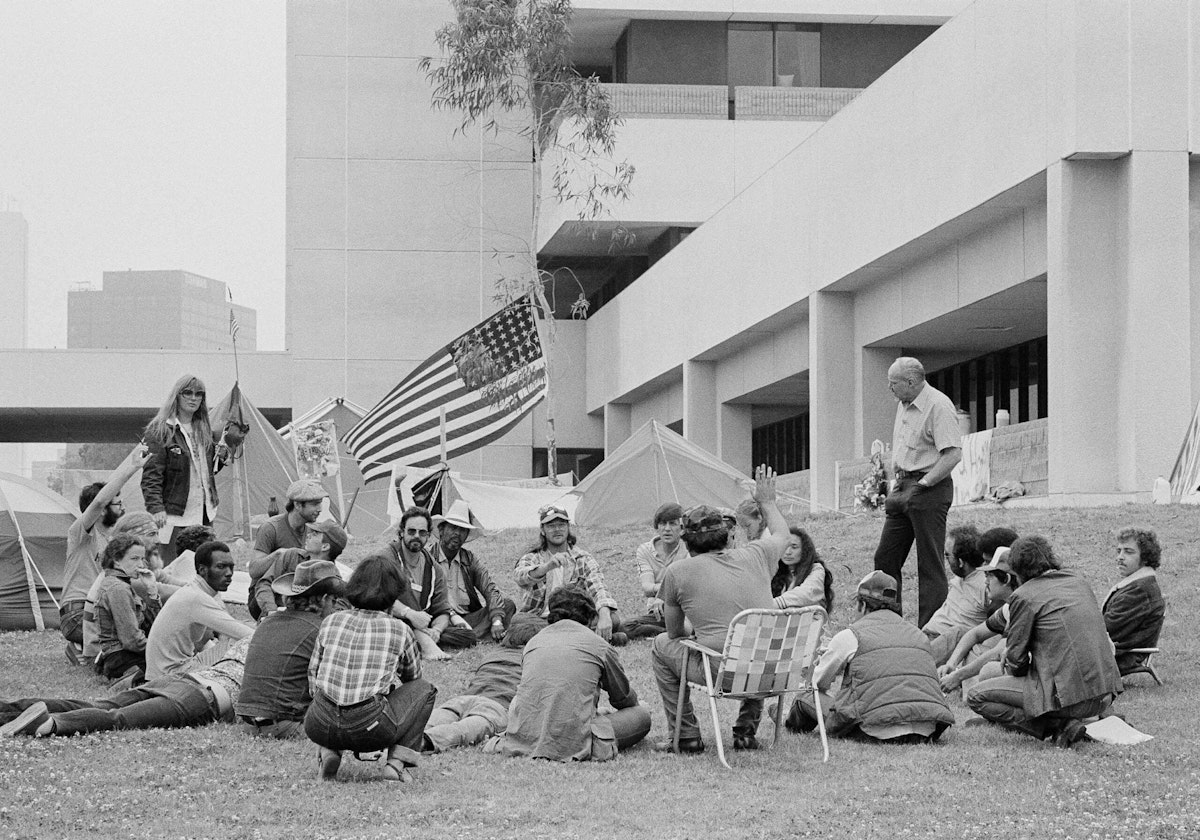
[1119,320]
[700,404]
[831,404]
[618,425]
[734,436]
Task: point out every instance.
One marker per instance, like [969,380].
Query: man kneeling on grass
[889,687]
[169,702]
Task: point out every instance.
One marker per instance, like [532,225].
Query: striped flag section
[234,326]
[487,379]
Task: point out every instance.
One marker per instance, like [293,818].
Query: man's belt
[917,474]
[65,605]
[221,698]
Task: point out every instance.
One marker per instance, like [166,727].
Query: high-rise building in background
[152,310]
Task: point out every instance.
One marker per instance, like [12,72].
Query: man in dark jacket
[890,689]
[477,605]
[1059,665]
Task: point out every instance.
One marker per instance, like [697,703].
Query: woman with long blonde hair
[178,480]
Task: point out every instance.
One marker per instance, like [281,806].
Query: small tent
[33,549]
[494,505]
[655,465]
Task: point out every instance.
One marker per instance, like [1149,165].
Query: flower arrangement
[869,494]
[316,450]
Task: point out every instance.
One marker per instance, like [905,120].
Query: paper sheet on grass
[1113,730]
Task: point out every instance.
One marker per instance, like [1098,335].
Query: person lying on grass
[482,710]
[1134,608]
[889,690]
[1059,669]
[169,702]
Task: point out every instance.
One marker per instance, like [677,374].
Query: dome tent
[33,550]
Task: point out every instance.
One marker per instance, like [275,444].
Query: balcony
[711,102]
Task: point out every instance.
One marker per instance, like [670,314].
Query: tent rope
[661,450]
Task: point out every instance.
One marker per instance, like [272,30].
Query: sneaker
[328,762]
[745,742]
[688,746]
[26,723]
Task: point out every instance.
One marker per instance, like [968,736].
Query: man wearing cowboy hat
[324,540]
[275,693]
[555,562]
[306,498]
[889,689]
[476,603]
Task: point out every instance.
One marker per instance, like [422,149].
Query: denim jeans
[378,723]
[666,659]
[70,621]
[1002,700]
[164,703]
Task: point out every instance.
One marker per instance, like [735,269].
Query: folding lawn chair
[1145,667]
[768,653]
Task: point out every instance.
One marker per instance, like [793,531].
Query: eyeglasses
[189,393]
[1001,576]
[117,504]
[413,532]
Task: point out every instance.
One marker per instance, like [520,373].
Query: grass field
[977,783]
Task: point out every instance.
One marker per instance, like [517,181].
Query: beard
[109,519]
[414,544]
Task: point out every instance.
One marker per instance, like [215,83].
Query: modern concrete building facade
[172,310]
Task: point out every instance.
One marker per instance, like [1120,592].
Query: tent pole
[35,605]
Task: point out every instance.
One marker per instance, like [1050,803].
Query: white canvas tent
[494,505]
[655,465]
[33,548]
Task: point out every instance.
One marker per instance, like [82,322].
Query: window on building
[782,445]
[577,461]
[1013,379]
[797,55]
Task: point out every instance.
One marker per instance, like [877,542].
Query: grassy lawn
[977,783]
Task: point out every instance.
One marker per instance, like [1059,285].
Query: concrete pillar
[618,425]
[1119,316]
[733,436]
[700,404]
[831,405]
[877,412]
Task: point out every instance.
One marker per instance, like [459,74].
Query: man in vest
[889,688]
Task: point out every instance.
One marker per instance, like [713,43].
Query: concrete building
[168,310]
[14,307]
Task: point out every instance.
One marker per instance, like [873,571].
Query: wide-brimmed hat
[460,515]
[306,490]
[548,513]
[879,587]
[336,533]
[307,575]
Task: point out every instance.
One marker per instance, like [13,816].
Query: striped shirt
[362,653]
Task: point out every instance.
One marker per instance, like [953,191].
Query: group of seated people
[340,661]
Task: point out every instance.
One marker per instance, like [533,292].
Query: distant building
[150,310]
[14,278]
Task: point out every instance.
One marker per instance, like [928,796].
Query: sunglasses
[1001,576]
[188,392]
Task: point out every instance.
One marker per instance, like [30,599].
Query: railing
[791,103]
[711,102]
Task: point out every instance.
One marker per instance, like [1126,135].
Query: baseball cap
[879,587]
[336,533]
[548,513]
[702,519]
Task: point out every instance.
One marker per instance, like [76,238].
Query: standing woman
[177,481]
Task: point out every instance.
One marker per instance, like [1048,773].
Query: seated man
[193,616]
[172,701]
[1134,608]
[553,714]
[306,499]
[322,541]
[482,710]
[1059,666]
[477,605]
[966,599]
[275,692]
[554,563]
[984,657]
[652,560]
[423,604]
[704,592]
[183,568]
[889,689]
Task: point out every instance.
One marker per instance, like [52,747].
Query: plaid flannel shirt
[362,653]
[580,568]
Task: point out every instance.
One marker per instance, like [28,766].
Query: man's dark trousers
[917,514]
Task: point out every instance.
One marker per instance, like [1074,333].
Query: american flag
[487,379]
[234,327]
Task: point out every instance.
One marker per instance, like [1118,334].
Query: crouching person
[889,689]
[554,712]
[365,676]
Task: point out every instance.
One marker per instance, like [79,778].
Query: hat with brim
[702,519]
[334,532]
[879,587]
[307,575]
[460,516]
[549,513]
[306,490]
[999,564]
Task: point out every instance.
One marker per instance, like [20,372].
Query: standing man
[925,448]
[555,563]
[100,507]
[706,591]
[653,558]
[476,603]
[287,530]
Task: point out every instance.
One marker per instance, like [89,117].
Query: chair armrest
[696,646]
[1140,650]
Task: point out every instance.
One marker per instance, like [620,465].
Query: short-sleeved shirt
[965,605]
[923,428]
[651,561]
[712,588]
[82,566]
[276,533]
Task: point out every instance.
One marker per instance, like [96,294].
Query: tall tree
[507,62]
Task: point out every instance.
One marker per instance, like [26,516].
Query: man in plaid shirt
[554,563]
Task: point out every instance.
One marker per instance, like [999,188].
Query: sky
[146,134]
